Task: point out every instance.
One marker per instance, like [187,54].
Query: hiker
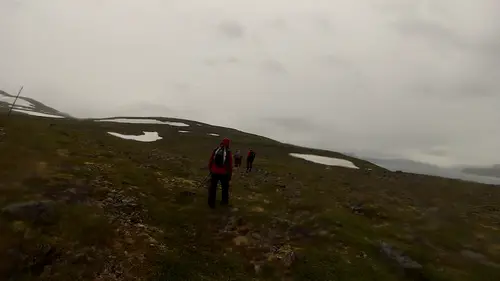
[250,158]
[221,169]
[237,158]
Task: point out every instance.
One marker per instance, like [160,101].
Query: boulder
[407,266]
[33,211]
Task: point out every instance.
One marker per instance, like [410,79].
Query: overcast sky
[399,78]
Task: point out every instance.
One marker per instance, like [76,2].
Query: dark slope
[127,210]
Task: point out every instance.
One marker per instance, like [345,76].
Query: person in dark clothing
[250,158]
[221,170]
[237,158]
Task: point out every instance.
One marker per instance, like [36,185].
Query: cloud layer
[413,79]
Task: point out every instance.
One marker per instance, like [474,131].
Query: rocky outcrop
[32,211]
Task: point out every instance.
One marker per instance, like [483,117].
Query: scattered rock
[369,211]
[357,209]
[408,266]
[62,152]
[362,255]
[479,257]
[34,211]
[285,254]
[472,255]
[257,268]
[323,233]
[398,256]
[256,236]
[152,241]
[243,229]
[258,209]
[240,240]
[19,226]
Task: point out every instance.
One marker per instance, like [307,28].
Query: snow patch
[330,161]
[34,113]
[20,101]
[183,131]
[144,121]
[198,125]
[145,137]
[213,134]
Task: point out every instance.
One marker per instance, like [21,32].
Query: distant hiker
[250,158]
[221,169]
[237,158]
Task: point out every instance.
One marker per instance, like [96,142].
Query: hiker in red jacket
[221,169]
[250,158]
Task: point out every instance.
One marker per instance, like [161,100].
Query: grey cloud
[233,60]
[477,88]
[332,60]
[432,31]
[231,29]
[378,77]
[274,66]
[210,62]
[278,24]
[437,151]
[323,24]
[444,36]
[290,123]
[182,87]
[221,61]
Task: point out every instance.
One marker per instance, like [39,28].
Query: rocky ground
[78,204]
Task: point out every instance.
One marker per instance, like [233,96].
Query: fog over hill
[469,173]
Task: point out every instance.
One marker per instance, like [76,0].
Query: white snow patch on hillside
[330,161]
[34,113]
[213,134]
[183,131]
[198,125]
[144,121]
[145,137]
[20,101]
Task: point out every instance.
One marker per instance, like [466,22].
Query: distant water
[426,169]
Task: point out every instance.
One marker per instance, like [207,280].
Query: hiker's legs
[212,190]
[250,164]
[225,190]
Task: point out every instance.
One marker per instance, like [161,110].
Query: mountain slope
[493,171]
[26,103]
[78,203]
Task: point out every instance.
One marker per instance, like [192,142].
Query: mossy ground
[137,211]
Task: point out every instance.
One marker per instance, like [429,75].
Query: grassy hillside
[114,209]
